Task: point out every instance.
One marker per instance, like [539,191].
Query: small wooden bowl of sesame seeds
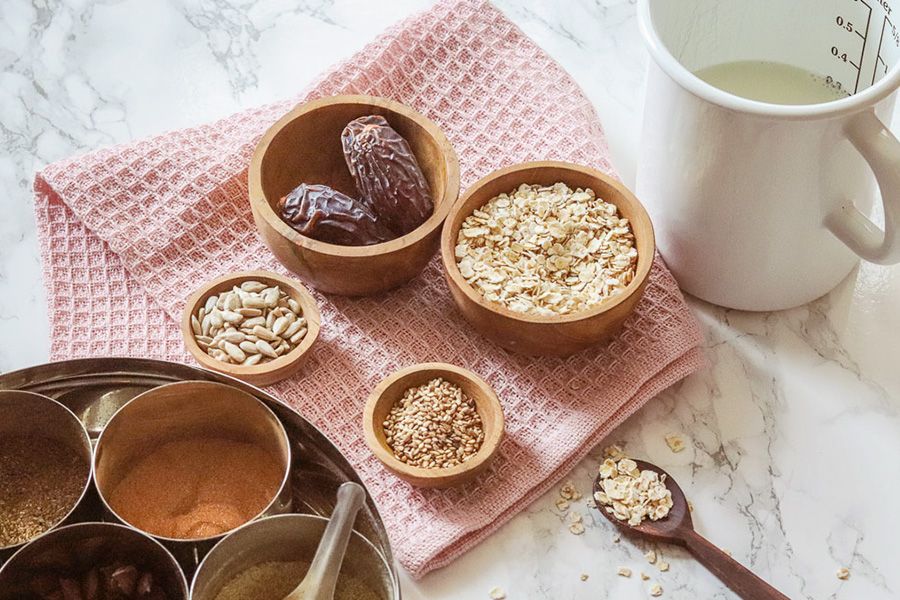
[434,425]
[531,253]
[261,336]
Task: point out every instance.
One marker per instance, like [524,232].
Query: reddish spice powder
[197,488]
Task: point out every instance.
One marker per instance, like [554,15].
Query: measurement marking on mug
[894,34]
[847,25]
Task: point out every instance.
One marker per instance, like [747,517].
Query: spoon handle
[326,565]
[736,576]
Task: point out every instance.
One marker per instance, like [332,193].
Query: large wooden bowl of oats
[547,258]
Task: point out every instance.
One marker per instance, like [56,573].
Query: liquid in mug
[772,82]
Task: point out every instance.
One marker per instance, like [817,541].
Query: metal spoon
[677,528]
[323,573]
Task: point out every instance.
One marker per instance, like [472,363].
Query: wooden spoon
[323,573]
[676,528]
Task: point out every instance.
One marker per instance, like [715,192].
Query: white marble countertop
[793,458]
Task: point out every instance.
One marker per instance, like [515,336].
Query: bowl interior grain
[306,148]
[548,173]
[391,390]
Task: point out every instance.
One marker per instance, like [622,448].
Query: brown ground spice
[197,488]
[40,482]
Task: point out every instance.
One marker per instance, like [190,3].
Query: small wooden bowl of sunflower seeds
[256,326]
[434,425]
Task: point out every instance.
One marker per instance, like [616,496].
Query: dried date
[327,215]
[386,173]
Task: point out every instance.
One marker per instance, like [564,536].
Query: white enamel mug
[762,206]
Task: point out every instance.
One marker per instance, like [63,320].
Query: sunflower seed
[271,296]
[265,334]
[249,312]
[253,287]
[210,303]
[293,328]
[280,325]
[195,325]
[252,360]
[253,322]
[235,337]
[254,302]
[297,337]
[234,352]
[294,306]
[249,347]
[232,317]
[266,349]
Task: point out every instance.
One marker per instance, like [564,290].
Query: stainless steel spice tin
[184,411]
[30,415]
[76,547]
[287,538]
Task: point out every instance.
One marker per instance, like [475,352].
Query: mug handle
[880,148]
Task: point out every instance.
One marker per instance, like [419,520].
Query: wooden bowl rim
[451,179]
[307,304]
[448,245]
[487,400]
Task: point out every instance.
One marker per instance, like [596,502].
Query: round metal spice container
[45,467]
[264,558]
[93,560]
[191,461]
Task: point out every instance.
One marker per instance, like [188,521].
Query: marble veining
[793,430]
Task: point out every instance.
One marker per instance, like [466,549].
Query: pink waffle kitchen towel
[128,232]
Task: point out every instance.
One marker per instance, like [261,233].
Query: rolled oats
[547,250]
[624,572]
[630,494]
[675,442]
[656,590]
[843,573]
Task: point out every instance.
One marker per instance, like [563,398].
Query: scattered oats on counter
[644,576]
[656,590]
[584,576]
[632,495]
[547,250]
[662,565]
[690,506]
[675,442]
[843,573]
[650,555]
[614,452]
[576,522]
[250,324]
[562,504]
[434,425]
[497,594]
[624,572]
[569,491]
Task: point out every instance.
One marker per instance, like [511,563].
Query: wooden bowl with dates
[305,147]
[554,334]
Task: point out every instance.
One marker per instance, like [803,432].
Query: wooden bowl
[391,389]
[265,373]
[305,147]
[554,335]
